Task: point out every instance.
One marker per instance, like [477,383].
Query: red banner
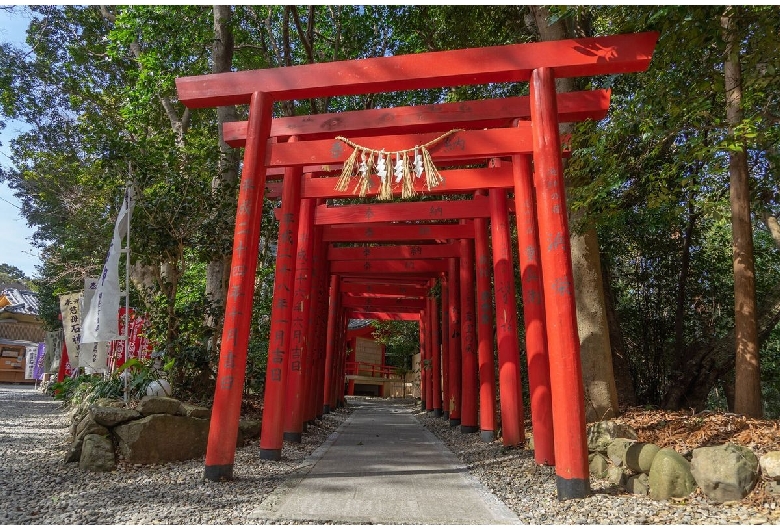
[138,344]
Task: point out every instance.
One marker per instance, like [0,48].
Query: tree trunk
[624,382]
[748,377]
[217,271]
[598,377]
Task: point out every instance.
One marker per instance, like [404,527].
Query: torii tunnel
[400,250]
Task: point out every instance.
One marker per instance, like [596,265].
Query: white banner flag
[100,323]
[71,325]
[94,355]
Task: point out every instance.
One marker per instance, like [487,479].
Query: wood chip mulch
[686,431]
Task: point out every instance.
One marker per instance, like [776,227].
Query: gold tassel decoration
[405,171]
[348,171]
[432,175]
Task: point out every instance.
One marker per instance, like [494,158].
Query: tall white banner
[71,325]
[100,322]
[94,355]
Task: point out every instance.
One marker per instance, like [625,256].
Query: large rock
[150,405]
[639,457]
[770,465]
[670,476]
[601,434]
[638,484]
[111,416]
[97,454]
[247,430]
[598,465]
[162,438]
[194,411]
[725,472]
[616,450]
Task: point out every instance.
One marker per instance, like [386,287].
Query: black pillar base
[438,413]
[446,414]
[454,422]
[572,488]
[468,429]
[422,405]
[218,473]
[487,436]
[326,409]
[292,437]
[270,454]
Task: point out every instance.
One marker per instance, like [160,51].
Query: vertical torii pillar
[468,416]
[433,311]
[223,430]
[272,433]
[445,347]
[424,387]
[453,299]
[313,345]
[487,378]
[322,325]
[330,351]
[509,382]
[298,364]
[533,312]
[568,396]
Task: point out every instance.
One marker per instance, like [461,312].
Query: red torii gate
[540,63]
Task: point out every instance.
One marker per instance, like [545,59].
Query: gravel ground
[529,490]
[39,488]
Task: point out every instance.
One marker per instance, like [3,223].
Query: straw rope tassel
[368,167]
[349,170]
[407,185]
[432,176]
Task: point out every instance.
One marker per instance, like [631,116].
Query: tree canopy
[652,179]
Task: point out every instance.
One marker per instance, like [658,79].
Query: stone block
[670,476]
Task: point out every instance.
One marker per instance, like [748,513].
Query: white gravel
[39,488]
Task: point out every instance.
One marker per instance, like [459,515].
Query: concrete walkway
[383,467]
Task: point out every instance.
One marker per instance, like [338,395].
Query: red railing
[370,370]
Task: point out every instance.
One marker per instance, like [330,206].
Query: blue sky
[15,247]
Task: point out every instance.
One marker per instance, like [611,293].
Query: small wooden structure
[306,352]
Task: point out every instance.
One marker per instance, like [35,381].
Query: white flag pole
[127,280]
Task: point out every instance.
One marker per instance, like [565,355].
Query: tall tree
[748,383]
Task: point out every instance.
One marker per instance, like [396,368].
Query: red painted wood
[433,312]
[568,396]
[497,64]
[332,331]
[455,181]
[481,114]
[445,347]
[372,289]
[382,304]
[425,362]
[389,232]
[469,398]
[485,330]
[402,211]
[395,252]
[223,431]
[277,376]
[384,315]
[453,312]
[322,271]
[533,313]
[389,267]
[318,270]
[509,382]
[464,145]
[298,355]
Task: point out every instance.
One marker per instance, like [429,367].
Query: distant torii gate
[539,63]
